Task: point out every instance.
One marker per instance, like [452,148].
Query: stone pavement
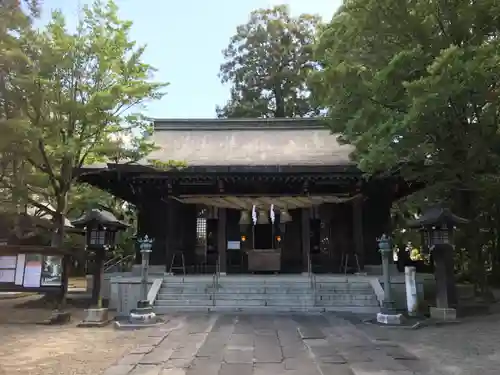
[237,344]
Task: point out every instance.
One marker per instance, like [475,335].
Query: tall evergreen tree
[267,64]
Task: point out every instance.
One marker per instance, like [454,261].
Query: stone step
[264,297]
[334,304]
[185,290]
[344,291]
[183,302]
[236,290]
[339,287]
[339,297]
[160,310]
[175,296]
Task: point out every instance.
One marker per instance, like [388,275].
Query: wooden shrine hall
[256,195]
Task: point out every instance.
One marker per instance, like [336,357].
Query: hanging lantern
[212,212]
[244,221]
[262,218]
[285,217]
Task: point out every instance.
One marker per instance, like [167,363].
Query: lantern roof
[100,217]
[437,216]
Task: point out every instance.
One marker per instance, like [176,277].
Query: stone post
[385,248]
[388,314]
[144,273]
[411,291]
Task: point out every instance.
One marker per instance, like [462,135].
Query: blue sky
[184,42]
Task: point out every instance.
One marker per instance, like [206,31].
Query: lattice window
[97,237]
[201,228]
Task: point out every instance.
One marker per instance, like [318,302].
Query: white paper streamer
[254,215]
[271,214]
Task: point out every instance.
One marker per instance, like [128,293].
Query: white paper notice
[21,258]
[8,261]
[32,271]
[233,245]
[7,276]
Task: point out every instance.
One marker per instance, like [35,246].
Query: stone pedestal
[141,317]
[58,317]
[443,314]
[96,317]
[390,319]
[446,293]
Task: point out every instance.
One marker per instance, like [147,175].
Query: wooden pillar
[170,233]
[222,239]
[306,237]
[358,233]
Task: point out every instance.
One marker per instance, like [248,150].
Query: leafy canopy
[415,81]
[78,100]
[267,64]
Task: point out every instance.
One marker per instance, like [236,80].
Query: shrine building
[255,196]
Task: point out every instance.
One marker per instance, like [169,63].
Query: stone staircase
[341,294]
[273,293]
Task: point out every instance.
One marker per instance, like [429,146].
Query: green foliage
[267,63]
[166,166]
[77,102]
[416,84]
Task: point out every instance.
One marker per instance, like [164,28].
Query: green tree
[267,64]
[78,101]
[16,18]
[416,84]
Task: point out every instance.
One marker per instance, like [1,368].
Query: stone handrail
[378,290]
[153,291]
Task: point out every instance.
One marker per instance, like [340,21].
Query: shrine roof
[250,142]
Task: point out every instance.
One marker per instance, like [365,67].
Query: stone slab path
[233,344]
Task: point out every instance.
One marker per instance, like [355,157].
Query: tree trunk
[58,240]
[468,203]
[280,111]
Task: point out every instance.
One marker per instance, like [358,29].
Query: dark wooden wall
[173,227]
[291,254]
[376,221]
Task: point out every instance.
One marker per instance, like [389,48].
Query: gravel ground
[31,349]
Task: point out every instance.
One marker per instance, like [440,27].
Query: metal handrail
[120,261]
[312,278]
[111,260]
[309,269]
[215,280]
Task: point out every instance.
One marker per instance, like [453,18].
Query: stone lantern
[100,228]
[437,225]
[145,246]
[388,314]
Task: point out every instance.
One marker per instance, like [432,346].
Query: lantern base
[141,317]
[443,313]
[96,317]
[390,319]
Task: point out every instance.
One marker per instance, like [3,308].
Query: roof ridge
[305,123]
